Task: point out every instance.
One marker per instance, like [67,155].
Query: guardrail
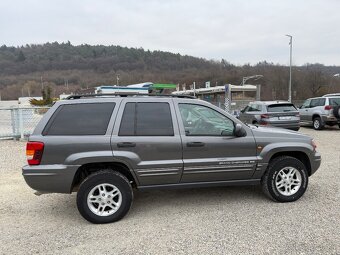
[19,122]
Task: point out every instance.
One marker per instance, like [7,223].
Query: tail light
[34,152]
[314,145]
[328,107]
[264,116]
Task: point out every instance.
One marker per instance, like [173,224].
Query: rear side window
[80,119]
[146,119]
[317,102]
[281,108]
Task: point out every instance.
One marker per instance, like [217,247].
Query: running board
[201,184]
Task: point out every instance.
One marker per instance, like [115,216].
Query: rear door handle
[195,144]
[126,144]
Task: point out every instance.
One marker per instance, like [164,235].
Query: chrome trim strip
[158,174]
[218,167]
[216,171]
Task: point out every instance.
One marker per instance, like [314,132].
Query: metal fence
[19,122]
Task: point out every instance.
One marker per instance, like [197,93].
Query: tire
[317,123]
[336,112]
[112,197]
[273,179]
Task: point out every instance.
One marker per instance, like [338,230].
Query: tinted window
[80,119]
[200,120]
[281,108]
[317,102]
[146,119]
[127,125]
[334,101]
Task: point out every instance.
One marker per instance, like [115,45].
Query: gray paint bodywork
[163,161]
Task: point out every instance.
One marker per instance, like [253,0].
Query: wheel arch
[86,169]
[300,155]
[316,115]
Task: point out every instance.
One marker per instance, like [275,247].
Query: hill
[65,68]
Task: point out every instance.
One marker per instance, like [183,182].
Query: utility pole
[194,89]
[117,77]
[290,69]
[42,83]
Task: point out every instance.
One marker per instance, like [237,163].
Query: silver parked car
[321,111]
[274,113]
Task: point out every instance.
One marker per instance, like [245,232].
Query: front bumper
[50,178]
[315,162]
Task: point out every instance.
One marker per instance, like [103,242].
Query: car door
[304,111]
[314,107]
[252,113]
[146,137]
[207,154]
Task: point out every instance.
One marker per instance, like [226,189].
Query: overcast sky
[237,30]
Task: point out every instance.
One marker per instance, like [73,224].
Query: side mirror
[239,130]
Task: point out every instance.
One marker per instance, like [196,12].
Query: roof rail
[126,95]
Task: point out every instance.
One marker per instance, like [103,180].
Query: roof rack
[126,95]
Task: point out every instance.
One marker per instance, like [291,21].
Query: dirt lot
[227,220]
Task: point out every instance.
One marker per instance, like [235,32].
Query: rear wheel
[317,123]
[286,179]
[104,196]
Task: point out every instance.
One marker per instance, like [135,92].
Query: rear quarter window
[334,101]
[80,119]
[281,108]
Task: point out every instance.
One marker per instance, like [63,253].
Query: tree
[21,57]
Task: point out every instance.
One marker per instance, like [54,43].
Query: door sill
[201,184]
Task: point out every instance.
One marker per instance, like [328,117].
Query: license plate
[285,118]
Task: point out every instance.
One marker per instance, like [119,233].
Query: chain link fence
[19,122]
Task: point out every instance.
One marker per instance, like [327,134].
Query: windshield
[334,101]
[281,108]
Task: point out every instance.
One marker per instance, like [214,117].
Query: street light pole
[290,69]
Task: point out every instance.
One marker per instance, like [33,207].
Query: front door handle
[126,144]
[195,144]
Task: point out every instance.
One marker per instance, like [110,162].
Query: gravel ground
[227,220]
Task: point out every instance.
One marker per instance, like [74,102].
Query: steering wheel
[201,125]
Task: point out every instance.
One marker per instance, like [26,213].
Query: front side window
[199,120]
[254,108]
[80,119]
[146,119]
[306,104]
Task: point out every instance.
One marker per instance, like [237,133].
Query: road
[226,220]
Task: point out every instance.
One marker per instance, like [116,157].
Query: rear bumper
[315,162]
[289,125]
[50,178]
[330,119]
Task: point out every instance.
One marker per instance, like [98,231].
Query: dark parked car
[103,147]
[272,113]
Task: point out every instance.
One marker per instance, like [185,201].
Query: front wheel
[104,196]
[286,179]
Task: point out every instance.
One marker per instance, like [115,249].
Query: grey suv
[321,111]
[104,146]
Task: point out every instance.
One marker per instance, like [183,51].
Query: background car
[321,111]
[274,113]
